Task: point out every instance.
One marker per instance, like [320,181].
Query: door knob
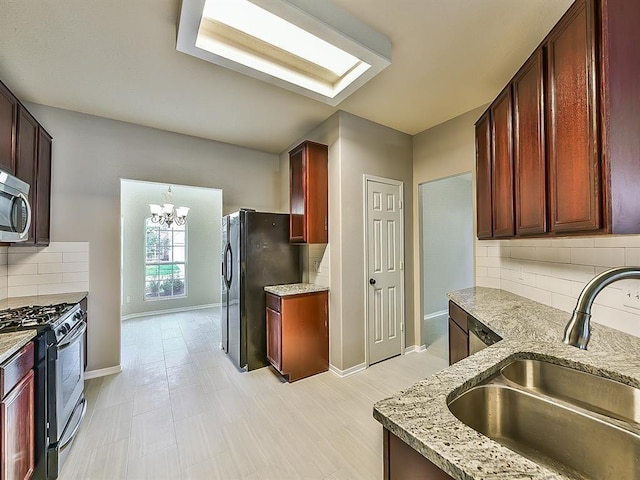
[372,281]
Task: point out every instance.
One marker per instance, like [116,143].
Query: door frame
[398,183]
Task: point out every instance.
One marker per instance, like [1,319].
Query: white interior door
[385,279]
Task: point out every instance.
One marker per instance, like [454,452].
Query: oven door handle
[77,426]
[79,331]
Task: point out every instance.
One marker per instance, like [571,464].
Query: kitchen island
[420,417]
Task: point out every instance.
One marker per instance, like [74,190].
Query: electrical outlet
[316,266]
[631,295]
[128,299]
[521,273]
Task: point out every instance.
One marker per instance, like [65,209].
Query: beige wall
[442,151]
[356,147]
[203,226]
[91,154]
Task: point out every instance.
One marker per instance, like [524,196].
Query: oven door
[69,379]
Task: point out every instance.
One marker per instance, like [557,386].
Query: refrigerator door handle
[228,261]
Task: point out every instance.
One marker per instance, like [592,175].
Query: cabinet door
[572,131]
[317,184]
[43,189]
[297,197]
[402,462]
[274,339]
[8,118]
[528,148]
[16,419]
[502,165]
[26,158]
[458,343]
[483,176]
[305,335]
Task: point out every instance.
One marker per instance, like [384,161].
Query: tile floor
[180,410]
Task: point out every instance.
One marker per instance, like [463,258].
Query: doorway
[384,250]
[169,268]
[447,257]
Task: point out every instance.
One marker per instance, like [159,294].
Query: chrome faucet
[578,330]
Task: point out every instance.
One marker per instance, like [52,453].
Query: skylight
[280,42]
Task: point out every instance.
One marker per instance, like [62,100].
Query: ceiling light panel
[310,47]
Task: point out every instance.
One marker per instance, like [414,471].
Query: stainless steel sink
[563,439]
[595,393]
[577,424]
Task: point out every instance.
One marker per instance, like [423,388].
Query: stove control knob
[78,314]
[64,329]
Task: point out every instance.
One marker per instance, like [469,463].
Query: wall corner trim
[415,349]
[102,372]
[349,371]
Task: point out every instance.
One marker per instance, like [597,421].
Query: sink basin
[594,393]
[566,440]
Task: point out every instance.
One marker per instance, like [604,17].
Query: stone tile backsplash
[61,267]
[554,272]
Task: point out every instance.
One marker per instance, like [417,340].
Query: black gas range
[59,378]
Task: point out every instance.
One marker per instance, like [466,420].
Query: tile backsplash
[554,272]
[61,267]
[315,264]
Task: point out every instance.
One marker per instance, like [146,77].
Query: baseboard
[415,349]
[102,372]
[348,371]
[436,314]
[131,316]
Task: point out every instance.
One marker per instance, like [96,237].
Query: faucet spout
[578,330]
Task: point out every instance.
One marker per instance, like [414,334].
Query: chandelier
[167,213]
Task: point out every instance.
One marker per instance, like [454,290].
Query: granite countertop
[421,418]
[17,302]
[295,289]
[11,342]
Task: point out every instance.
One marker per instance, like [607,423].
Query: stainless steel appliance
[59,378]
[15,211]
[480,336]
[256,253]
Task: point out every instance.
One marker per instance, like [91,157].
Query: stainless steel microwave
[15,211]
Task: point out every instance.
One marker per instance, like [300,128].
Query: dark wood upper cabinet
[309,200]
[502,165]
[572,126]
[25,151]
[576,148]
[43,189]
[620,113]
[8,120]
[529,147]
[483,176]
[26,160]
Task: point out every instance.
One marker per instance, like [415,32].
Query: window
[165,261]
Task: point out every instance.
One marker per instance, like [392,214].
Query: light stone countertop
[17,302]
[11,342]
[295,289]
[420,417]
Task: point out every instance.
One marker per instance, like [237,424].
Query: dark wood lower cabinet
[401,462]
[298,334]
[17,423]
[458,343]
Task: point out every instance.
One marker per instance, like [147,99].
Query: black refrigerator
[256,253]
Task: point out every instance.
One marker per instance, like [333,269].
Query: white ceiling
[117,59]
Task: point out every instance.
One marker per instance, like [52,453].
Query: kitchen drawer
[459,316]
[273,302]
[14,369]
